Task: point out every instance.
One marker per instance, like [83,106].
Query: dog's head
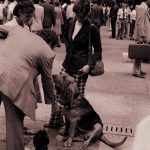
[65,86]
[41,140]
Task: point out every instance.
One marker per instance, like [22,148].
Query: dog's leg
[95,133]
[73,123]
[63,131]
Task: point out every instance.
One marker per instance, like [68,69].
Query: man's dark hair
[22,5]
[49,36]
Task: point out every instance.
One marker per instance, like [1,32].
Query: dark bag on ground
[139,51]
[98,70]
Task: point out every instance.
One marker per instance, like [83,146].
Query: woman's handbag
[98,70]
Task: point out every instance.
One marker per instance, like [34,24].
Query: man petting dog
[21,61]
[80,117]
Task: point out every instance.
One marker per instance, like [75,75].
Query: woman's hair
[22,5]
[36,1]
[49,36]
[82,6]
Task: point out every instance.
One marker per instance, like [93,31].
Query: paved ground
[119,98]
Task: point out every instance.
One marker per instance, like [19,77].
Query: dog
[41,140]
[80,117]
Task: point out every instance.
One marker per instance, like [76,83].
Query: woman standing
[59,20]
[77,63]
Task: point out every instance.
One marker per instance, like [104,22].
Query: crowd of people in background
[120,18]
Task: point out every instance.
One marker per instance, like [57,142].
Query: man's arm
[47,81]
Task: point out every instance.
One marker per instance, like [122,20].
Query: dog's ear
[73,92]
[68,79]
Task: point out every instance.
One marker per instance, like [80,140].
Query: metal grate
[118,130]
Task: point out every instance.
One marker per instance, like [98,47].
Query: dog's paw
[68,143]
[59,138]
[62,132]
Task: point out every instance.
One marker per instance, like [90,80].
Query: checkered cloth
[80,79]
[57,117]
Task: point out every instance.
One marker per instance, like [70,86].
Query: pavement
[120,99]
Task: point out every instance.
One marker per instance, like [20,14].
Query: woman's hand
[85,69]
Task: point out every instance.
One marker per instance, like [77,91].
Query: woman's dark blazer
[77,49]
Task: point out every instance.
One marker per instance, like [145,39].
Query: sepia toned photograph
[74,74]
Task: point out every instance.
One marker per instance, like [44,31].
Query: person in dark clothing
[113,15]
[97,14]
[49,15]
[77,63]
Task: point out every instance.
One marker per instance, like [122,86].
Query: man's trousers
[14,125]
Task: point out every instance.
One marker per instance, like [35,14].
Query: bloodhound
[80,117]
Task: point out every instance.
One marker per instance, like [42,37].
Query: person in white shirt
[121,20]
[37,17]
[132,22]
[21,15]
[69,10]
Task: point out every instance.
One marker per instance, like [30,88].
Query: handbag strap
[90,44]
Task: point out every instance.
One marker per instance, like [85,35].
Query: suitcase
[139,51]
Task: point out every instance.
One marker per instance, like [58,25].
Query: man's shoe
[138,75]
